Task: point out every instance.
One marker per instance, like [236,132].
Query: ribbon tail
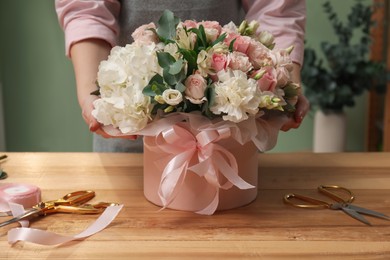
[48,238]
[229,172]
[173,174]
[212,207]
[18,209]
[168,185]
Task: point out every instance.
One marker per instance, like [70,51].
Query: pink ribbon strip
[49,238]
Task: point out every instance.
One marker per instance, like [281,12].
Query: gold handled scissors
[71,203]
[333,192]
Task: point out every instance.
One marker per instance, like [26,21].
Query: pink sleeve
[82,20]
[285,19]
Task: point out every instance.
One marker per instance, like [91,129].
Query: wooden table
[264,229]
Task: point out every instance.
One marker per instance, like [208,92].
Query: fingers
[302,108]
[93,124]
[86,111]
[101,132]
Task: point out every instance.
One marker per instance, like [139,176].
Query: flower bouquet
[206,98]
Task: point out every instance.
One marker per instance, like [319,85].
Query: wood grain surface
[265,229]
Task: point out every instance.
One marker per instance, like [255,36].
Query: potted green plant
[333,83]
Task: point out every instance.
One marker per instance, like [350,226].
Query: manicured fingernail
[299,118]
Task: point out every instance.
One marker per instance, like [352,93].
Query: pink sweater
[81,20]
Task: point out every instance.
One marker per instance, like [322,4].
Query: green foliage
[348,71]
[167,26]
[155,87]
[175,70]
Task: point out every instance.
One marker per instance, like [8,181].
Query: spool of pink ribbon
[24,194]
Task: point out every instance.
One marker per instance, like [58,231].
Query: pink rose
[144,35]
[195,87]
[219,62]
[212,29]
[240,44]
[239,61]
[268,81]
[189,24]
[211,25]
[259,55]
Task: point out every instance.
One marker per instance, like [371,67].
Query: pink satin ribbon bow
[202,155]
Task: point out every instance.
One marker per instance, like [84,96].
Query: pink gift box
[194,192]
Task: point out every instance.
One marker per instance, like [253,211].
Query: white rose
[172,97]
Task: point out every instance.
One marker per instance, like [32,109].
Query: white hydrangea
[122,78]
[236,96]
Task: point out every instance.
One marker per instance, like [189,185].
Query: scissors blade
[368,212]
[27,214]
[355,215]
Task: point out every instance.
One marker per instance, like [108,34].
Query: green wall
[41,109]
[318,29]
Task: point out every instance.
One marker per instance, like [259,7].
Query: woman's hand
[93,124]
[302,107]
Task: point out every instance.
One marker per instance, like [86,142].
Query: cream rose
[172,97]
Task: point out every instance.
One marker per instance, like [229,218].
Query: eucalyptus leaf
[172,80]
[176,67]
[180,86]
[155,87]
[167,26]
[165,59]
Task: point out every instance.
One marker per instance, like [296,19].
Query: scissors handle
[327,190]
[76,198]
[83,209]
[311,202]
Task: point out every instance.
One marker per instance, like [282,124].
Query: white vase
[330,132]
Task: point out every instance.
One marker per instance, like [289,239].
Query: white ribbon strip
[49,238]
